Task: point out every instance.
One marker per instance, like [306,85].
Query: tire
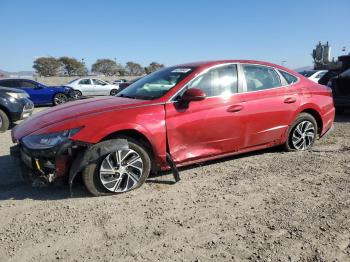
[299,134]
[113,92]
[77,93]
[96,175]
[4,121]
[59,98]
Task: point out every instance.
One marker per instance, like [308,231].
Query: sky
[170,32]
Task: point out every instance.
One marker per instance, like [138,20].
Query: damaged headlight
[46,141]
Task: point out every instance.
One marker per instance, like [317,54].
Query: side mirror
[193,94]
[39,86]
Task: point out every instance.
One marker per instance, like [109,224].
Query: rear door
[86,87]
[270,104]
[209,127]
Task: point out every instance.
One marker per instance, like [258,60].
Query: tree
[154,66]
[47,66]
[72,66]
[107,67]
[134,69]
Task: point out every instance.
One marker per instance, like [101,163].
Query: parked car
[339,82]
[41,94]
[314,75]
[174,117]
[14,105]
[118,81]
[127,83]
[92,87]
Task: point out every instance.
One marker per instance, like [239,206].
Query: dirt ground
[265,206]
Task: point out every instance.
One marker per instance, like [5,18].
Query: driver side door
[37,93]
[211,127]
[100,88]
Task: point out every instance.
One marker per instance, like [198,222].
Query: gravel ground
[265,206]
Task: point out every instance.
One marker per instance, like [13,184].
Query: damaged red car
[174,117]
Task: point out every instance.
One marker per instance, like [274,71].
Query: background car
[178,115]
[127,83]
[41,94]
[118,81]
[14,105]
[92,87]
[314,75]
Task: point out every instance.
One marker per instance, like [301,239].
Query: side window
[288,77]
[217,81]
[260,77]
[27,84]
[98,82]
[85,82]
[8,83]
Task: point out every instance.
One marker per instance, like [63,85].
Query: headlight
[17,95]
[46,141]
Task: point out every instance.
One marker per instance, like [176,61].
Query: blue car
[39,93]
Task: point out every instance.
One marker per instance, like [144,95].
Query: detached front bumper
[48,164]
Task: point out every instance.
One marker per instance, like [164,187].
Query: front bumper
[21,109]
[48,164]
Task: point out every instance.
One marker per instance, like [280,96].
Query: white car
[313,75]
[92,87]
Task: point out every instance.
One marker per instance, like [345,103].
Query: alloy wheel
[303,135]
[60,99]
[0,122]
[121,171]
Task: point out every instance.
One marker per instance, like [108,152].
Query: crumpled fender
[92,154]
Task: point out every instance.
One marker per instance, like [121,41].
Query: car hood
[73,110]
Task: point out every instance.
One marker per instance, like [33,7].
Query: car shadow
[15,187]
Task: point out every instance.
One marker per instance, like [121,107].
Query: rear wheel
[113,92]
[302,134]
[4,121]
[77,93]
[118,172]
[59,99]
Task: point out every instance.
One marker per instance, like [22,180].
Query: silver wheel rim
[0,122]
[60,99]
[121,171]
[113,92]
[303,135]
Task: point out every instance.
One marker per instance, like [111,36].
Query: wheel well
[317,117]
[6,112]
[135,135]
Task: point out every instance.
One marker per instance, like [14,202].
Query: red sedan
[174,117]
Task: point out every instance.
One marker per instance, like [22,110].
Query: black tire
[289,146]
[113,92]
[4,121]
[60,98]
[77,93]
[91,174]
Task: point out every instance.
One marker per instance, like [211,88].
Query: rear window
[288,77]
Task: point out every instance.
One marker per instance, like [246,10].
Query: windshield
[307,73]
[157,84]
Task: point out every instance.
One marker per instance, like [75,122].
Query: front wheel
[118,172]
[4,121]
[59,99]
[302,133]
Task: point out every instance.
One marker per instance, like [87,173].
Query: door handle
[235,108]
[290,100]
